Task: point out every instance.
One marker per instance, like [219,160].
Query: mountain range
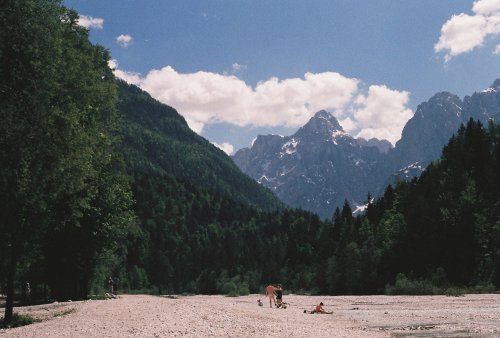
[321,166]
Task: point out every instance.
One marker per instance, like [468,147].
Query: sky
[239,68]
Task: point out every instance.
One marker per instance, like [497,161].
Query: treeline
[98,179]
[440,230]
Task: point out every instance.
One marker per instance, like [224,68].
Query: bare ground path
[219,316]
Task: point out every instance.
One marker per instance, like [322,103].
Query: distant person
[27,292]
[270,292]
[110,285]
[319,309]
[28,289]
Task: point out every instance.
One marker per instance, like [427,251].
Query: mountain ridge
[157,137]
[342,167]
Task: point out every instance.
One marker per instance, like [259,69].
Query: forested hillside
[190,199]
[435,232]
[157,139]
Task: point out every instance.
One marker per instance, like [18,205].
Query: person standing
[110,285]
[270,292]
[27,293]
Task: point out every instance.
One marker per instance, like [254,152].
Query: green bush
[18,320]
[454,292]
[405,286]
[484,288]
[230,289]
[436,286]
[243,289]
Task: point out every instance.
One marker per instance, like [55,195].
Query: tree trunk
[11,276]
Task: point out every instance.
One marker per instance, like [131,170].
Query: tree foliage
[62,197]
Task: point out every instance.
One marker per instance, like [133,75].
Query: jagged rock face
[436,120]
[316,168]
[321,165]
[430,128]
[485,105]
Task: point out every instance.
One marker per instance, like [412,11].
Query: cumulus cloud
[225,147]
[237,67]
[463,33]
[207,98]
[130,77]
[90,22]
[124,40]
[381,112]
[497,50]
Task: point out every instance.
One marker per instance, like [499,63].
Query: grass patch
[455,292]
[17,321]
[170,296]
[97,297]
[65,312]
[407,286]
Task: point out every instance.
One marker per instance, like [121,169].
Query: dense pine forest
[98,179]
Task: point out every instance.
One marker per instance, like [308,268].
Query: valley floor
[219,316]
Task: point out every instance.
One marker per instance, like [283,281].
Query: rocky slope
[317,167]
[320,166]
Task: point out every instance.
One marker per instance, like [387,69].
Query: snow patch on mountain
[489,90]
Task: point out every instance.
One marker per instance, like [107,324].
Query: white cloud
[124,40]
[497,50]
[381,113]
[207,98]
[226,147]
[463,33]
[486,7]
[237,67]
[90,22]
[130,77]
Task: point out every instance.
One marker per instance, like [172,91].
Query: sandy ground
[219,316]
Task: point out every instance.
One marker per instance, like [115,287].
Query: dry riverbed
[219,316]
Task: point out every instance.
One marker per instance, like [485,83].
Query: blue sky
[238,68]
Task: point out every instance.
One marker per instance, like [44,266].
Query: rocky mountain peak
[496,84]
[440,106]
[493,89]
[267,144]
[322,125]
[445,98]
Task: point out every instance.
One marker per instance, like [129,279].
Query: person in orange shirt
[270,292]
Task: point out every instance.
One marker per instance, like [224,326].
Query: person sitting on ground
[270,292]
[279,296]
[319,309]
